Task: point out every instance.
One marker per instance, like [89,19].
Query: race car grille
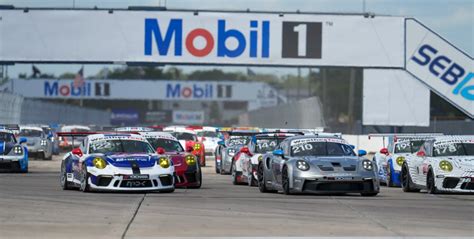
[9,165]
[467,186]
[103,181]
[325,168]
[191,177]
[450,182]
[338,186]
[136,184]
[166,180]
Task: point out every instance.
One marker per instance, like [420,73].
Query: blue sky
[452,19]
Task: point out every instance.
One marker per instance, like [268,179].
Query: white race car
[443,164]
[209,137]
[115,162]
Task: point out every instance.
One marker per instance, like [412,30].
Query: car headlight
[260,158]
[164,162]
[368,165]
[99,163]
[43,142]
[400,160]
[302,165]
[190,160]
[446,166]
[231,152]
[197,146]
[18,150]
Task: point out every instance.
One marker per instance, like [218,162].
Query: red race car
[189,140]
[186,166]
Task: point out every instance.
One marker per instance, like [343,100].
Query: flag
[36,72]
[250,72]
[79,79]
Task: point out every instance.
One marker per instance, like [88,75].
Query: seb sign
[445,69]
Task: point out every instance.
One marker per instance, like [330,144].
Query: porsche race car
[442,164]
[317,164]
[190,142]
[13,152]
[115,162]
[230,147]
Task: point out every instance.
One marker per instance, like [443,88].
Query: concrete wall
[10,108]
[305,113]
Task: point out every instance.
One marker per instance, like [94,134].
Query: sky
[452,19]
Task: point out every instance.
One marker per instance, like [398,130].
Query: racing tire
[285,181]
[200,180]
[234,174]
[389,182]
[41,156]
[261,181]
[407,184]
[218,170]
[371,194]
[63,177]
[84,185]
[430,183]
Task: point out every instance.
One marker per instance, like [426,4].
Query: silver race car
[230,148]
[39,143]
[317,164]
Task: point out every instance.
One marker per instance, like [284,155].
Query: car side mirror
[77,151]
[421,154]
[221,143]
[50,136]
[22,140]
[160,150]
[245,150]
[384,151]
[278,152]
[361,152]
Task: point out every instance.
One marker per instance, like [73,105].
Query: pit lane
[34,205]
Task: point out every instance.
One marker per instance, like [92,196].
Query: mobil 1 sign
[185,37]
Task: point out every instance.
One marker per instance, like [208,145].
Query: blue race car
[13,154]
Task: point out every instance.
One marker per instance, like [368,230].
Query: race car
[209,137]
[389,159]
[230,147]
[245,163]
[115,162]
[189,141]
[317,164]
[39,142]
[67,143]
[13,153]
[442,164]
[186,167]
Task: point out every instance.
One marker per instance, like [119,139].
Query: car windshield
[321,149]
[209,134]
[120,146]
[408,146]
[184,136]
[167,144]
[30,133]
[238,140]
[266,145]
[453,149]
[7,137]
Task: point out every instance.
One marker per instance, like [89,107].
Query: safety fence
[305,113]
[15,109]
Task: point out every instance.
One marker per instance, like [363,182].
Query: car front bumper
[11,163]
[455,183]
[335,184]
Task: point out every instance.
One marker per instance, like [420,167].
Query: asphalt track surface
[33,205]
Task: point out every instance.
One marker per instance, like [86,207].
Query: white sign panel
[441,66]
[394,97]
[206,38]
[188,117]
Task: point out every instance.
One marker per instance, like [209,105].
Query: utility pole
[298,85]
[364,10]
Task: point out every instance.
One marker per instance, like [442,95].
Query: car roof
[31,127]
[453,138]
[69,127]
[325,137]
[97,137]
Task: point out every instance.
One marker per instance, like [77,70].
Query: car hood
[6,147]
[176,157]
[125,160]
[462,161]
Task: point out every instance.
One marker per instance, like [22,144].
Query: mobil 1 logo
[302,40]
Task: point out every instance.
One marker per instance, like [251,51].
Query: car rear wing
[10,126]
[243,133]
[74,135]
[405,135]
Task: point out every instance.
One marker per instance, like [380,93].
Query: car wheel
[199,176]
[406,180]
[430,183]
[218,170]
[84,186]
[371,194]
[389,177]
[234,173]
[251,179]
[42,156]
[285,181]
[63,177]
